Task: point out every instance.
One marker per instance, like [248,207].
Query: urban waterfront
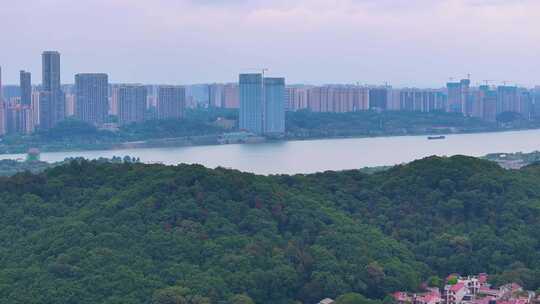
[292,157]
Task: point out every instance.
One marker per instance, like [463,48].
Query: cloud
[405,42]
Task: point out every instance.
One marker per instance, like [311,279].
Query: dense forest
[96,232]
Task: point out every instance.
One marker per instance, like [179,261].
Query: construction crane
[262,70]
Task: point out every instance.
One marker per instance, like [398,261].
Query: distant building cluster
[262,101]
[468,290]
[484,102]
[91,99]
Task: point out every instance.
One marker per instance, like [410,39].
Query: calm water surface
[320,155]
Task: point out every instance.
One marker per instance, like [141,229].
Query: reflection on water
[320,155]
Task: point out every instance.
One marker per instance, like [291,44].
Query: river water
[290,157]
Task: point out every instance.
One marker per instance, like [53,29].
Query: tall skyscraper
[26,88]
[274,112]
[262,104]
[251,103]
[92,98]
[131,103]
[52,107]
[171,102]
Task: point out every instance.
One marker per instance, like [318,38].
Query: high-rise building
[251,103]
[215,95]
[489,105]
[536,102]
[507,99]
[297,99]
[262,104]
[70,104]
[231,96]
[421,100]
[2,118]
[35,107]
[525,104]
[92,98]
[2,107]
[52,99]
[379,97]
[458,97]
[338,98]
[1,87]
[394,103]
[19,119]
[113,104]
[131,103]
[274,101]
[171,102]
[26,88]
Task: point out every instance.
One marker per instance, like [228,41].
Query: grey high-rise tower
[131,103]
[26,88]
[52,99]
[262,104]
[251,103]
[274,113]
[92,98]
[171,102]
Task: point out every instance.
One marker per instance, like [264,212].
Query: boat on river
[436,137]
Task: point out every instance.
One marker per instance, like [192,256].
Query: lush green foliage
[200,127]
[72,134]
[308,124]
[10,167]
[94,232]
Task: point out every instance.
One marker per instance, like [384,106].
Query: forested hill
[89,232]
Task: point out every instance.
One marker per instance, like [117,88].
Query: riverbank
[310,156]
[213,140]
[9,167]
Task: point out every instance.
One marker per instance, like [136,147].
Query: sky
[420,43]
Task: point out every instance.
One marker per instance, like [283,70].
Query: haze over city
[404,43]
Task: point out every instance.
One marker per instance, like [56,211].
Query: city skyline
[312,42]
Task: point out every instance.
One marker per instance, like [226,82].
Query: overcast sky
[403,42]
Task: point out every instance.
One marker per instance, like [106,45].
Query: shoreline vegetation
[218,126]
[10,167]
